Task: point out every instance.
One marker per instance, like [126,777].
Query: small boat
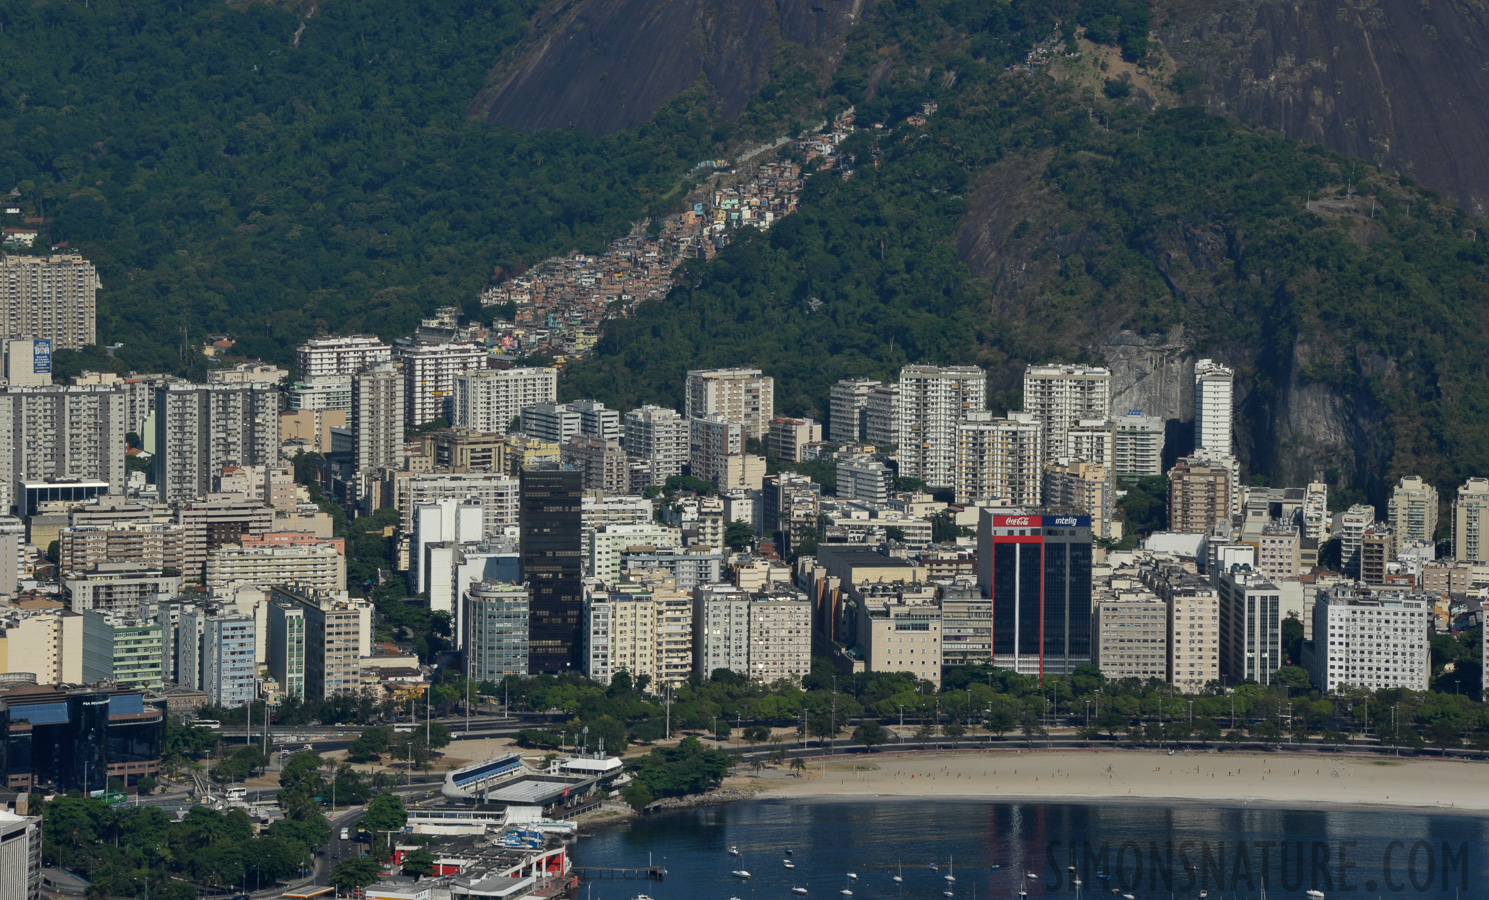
[741,873]
[1203,895]
[798,889]
[933,867]
[845,892]
[950,870]
[848,891]
[733,851]
[995,867]
[1103,876]
[1315,895]
[899,878]
[1032,877]
[788,851]
[852,876]
[1128,897]
[947,893]
[788,863]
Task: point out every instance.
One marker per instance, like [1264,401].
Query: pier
[644,873]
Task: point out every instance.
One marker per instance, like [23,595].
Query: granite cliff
[605,65]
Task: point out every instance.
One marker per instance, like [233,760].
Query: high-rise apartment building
[602,465]
[20,853]
[1250,627]
[660,437]
[430,373]
[319,567]
[199,429]
[1060,396]
[1470,521]
[1213,407]
[620,632]
[287,646]
[1086,486]
[865,479]
[495,491]
[123,648]
[328,392]
[1137,445]
[713,439]
[848,410]
[1412,511]
[1199,494]
[1092,440]
[1353,524]
[966,626]
[495,623]
[1129,636]
[550,522]
[932,401]
[1193,625]
[459,449]
[488,400]
[320,357]
[999,459]
[882,416]
[597,421]
[1315,522]
[788,438]
[1368,640]
[740,395]
[158,545]
[378,417]
[338,633]
[51,298]
[44,643]
[764,635]
[57,433]
[553,422]
[217,654]
[1037,571]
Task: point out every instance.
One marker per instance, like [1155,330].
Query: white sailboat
[741,874]
[899,878]
[950,870]
[798,890]
[1316,895]
[848,891]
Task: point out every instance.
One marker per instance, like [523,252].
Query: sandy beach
[1138,776]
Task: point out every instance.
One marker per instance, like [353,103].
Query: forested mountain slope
[1025,222]
[268,171]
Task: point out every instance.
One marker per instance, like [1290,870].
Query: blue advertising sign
[41,357]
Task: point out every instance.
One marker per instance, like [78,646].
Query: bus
[404,729]
[207,723]
[236,793]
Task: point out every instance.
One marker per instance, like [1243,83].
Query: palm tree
[798,764]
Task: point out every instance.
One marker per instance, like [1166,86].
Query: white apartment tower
[848,409]
[489,400]
[378,417]
[1060,396]
[745,396]
[1377,642]
[429,373]
[999,459]
[1412,511]
[1470,518]
[199,429]
[1137,445]
[1213,406]
[596,420]
[932,400]
[50,298]
[658,436]
[551,422]
[320,357]
[713,439]
[62,433]
[882,416]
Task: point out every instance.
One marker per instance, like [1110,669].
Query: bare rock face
[606,65]
[1397,82]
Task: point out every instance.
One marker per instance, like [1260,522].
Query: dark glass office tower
[1037,571]
[550,523]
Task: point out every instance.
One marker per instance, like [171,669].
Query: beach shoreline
[1138,777]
